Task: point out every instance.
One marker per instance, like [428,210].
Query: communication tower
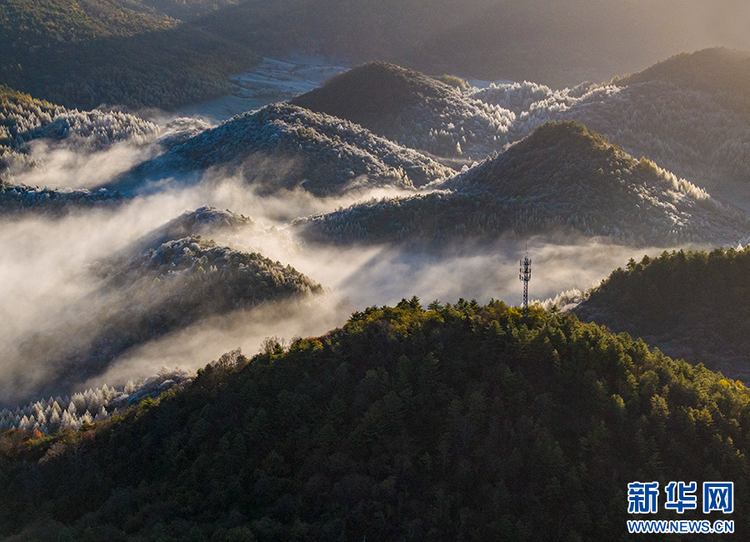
[525,277]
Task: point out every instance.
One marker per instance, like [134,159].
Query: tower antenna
[525,277]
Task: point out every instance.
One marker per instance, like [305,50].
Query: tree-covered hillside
[141,296]
[117,52]
[562,176]
[692,305]
[17,201]
[461,422]
[36,24]
[48,416]
[24,119]
[415,110]
[722,72]
[206,221]
[688,131]
[233,229]
[282,146]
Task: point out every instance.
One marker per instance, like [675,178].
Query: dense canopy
[461,422]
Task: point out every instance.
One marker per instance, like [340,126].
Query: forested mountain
[723,73]
[144,295]
[118,52]
[448,422]
[48,416]
[285,146]
[19,200]
[692,305]
[162,53]
[415,110]
[693,132]
[206,221]
[32,25]
[233,229]
[462,422]
[698,131]
[687,131]
[24,119]
[562,176]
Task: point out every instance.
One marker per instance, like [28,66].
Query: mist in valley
[63,308]
[55,302]
[260,268]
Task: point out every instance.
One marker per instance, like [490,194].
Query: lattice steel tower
[525,277]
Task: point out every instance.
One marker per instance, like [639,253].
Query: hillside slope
[20,200]
[691,305]
[207,222]
[143,294]
[690,132]
[412,109]
[187,10]
[117,52]
[460,422]
[282,146]
[24,119]
[562,176]
[694,129]
[722,72]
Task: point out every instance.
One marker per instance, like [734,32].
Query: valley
[259,272]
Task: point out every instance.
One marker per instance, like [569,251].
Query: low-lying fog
[48,290]
[46,283]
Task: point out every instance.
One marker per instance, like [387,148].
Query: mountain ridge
[161,284]
[561,176]
[689,304]
[324,155]
[413,109]
[117,52]
[24,119]
[454,411]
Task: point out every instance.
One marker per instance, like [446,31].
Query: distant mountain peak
[569,134]
[320,153]
[372,90]
[556,153]
[562,177]
[414,110]
[712,58]
[717,70]
[204,221]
